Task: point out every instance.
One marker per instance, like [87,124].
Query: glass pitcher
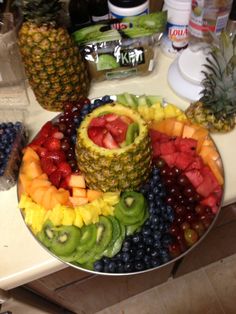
[13,91]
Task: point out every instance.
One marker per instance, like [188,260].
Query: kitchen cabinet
[82,292]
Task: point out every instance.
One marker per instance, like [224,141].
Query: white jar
[175,38]
[123,8]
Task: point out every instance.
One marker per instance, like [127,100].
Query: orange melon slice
[93,194]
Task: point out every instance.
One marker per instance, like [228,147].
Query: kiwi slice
[88,238]
[130,209]
[66,240]
[131,100]
[131,229]
[118,243]
[103,238]
[47,234]
[106,62]
[132,133]
[116,232]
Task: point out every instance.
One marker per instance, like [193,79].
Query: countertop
[22,258]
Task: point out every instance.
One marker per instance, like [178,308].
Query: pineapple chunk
[56,215]
[68,216]
[78,222]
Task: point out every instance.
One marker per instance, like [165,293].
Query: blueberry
[99,266]
[126,257]
[138,265]
[165,258]
[120,266]
[97,103]
[128,267]
[112,267]
[137,238]
[150,196]
[157,244]
[166,240]
[148,240]
[147,259]
[106,99]
[154,253]
[146,231]
[155,262]
[140,245]
[156,190]
[106,260]
[156,178]
[139,254]
[157,235]
[148,249]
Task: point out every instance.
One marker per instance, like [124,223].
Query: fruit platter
[121,184]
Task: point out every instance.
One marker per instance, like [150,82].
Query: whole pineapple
[54,67]
[114,169]
[216,109]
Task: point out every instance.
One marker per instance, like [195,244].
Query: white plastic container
[175,38]
[123,8]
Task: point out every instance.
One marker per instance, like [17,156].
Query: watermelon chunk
[156,152]
[183,160]
[158,136]
[196,164]
[167,148]
[186,145]
[170,159]
[195,177]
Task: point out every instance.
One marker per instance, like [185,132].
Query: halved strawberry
[46,129]
[110,117]
[58,135]
[126,119]
[118,129]
[96,134]
[64,168]
[48,166]
[56,156]
[56,177]
[109,142]
[98,122]
[52,144]
[41,151]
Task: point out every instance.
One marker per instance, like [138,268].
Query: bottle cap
[127,3]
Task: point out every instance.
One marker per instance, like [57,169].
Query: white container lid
[179,4]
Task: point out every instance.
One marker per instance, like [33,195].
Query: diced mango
[93,194]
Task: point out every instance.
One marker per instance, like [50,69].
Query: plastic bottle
[208,16]
[124,8]
[79,14]
[98,10]
[175,38]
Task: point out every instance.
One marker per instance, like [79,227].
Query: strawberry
[64,168]
[110,117]
[52,144]
[56,177]
[48,166]
[98,122]
[109,142]
[96,134]
[126,119]
[58,135]
[41,151]
[56,156]
[118,129]
[46,129]
[38,140]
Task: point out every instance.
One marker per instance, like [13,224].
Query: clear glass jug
[13,92]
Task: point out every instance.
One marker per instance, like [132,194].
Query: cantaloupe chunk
[62,196]
[208,152]
[217,171]
[48,201]
[39,182]
[169,125]
[29,155]
[39,194]
[24,183]
[200,135]
[158,126]
[93,194]
[189,130]
[77,201]
[77,181]
[32,169]
[79,192]
[177,128]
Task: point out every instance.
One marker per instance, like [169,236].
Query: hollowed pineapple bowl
[119,185]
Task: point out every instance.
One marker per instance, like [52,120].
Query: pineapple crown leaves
[219,93]
[40,11]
